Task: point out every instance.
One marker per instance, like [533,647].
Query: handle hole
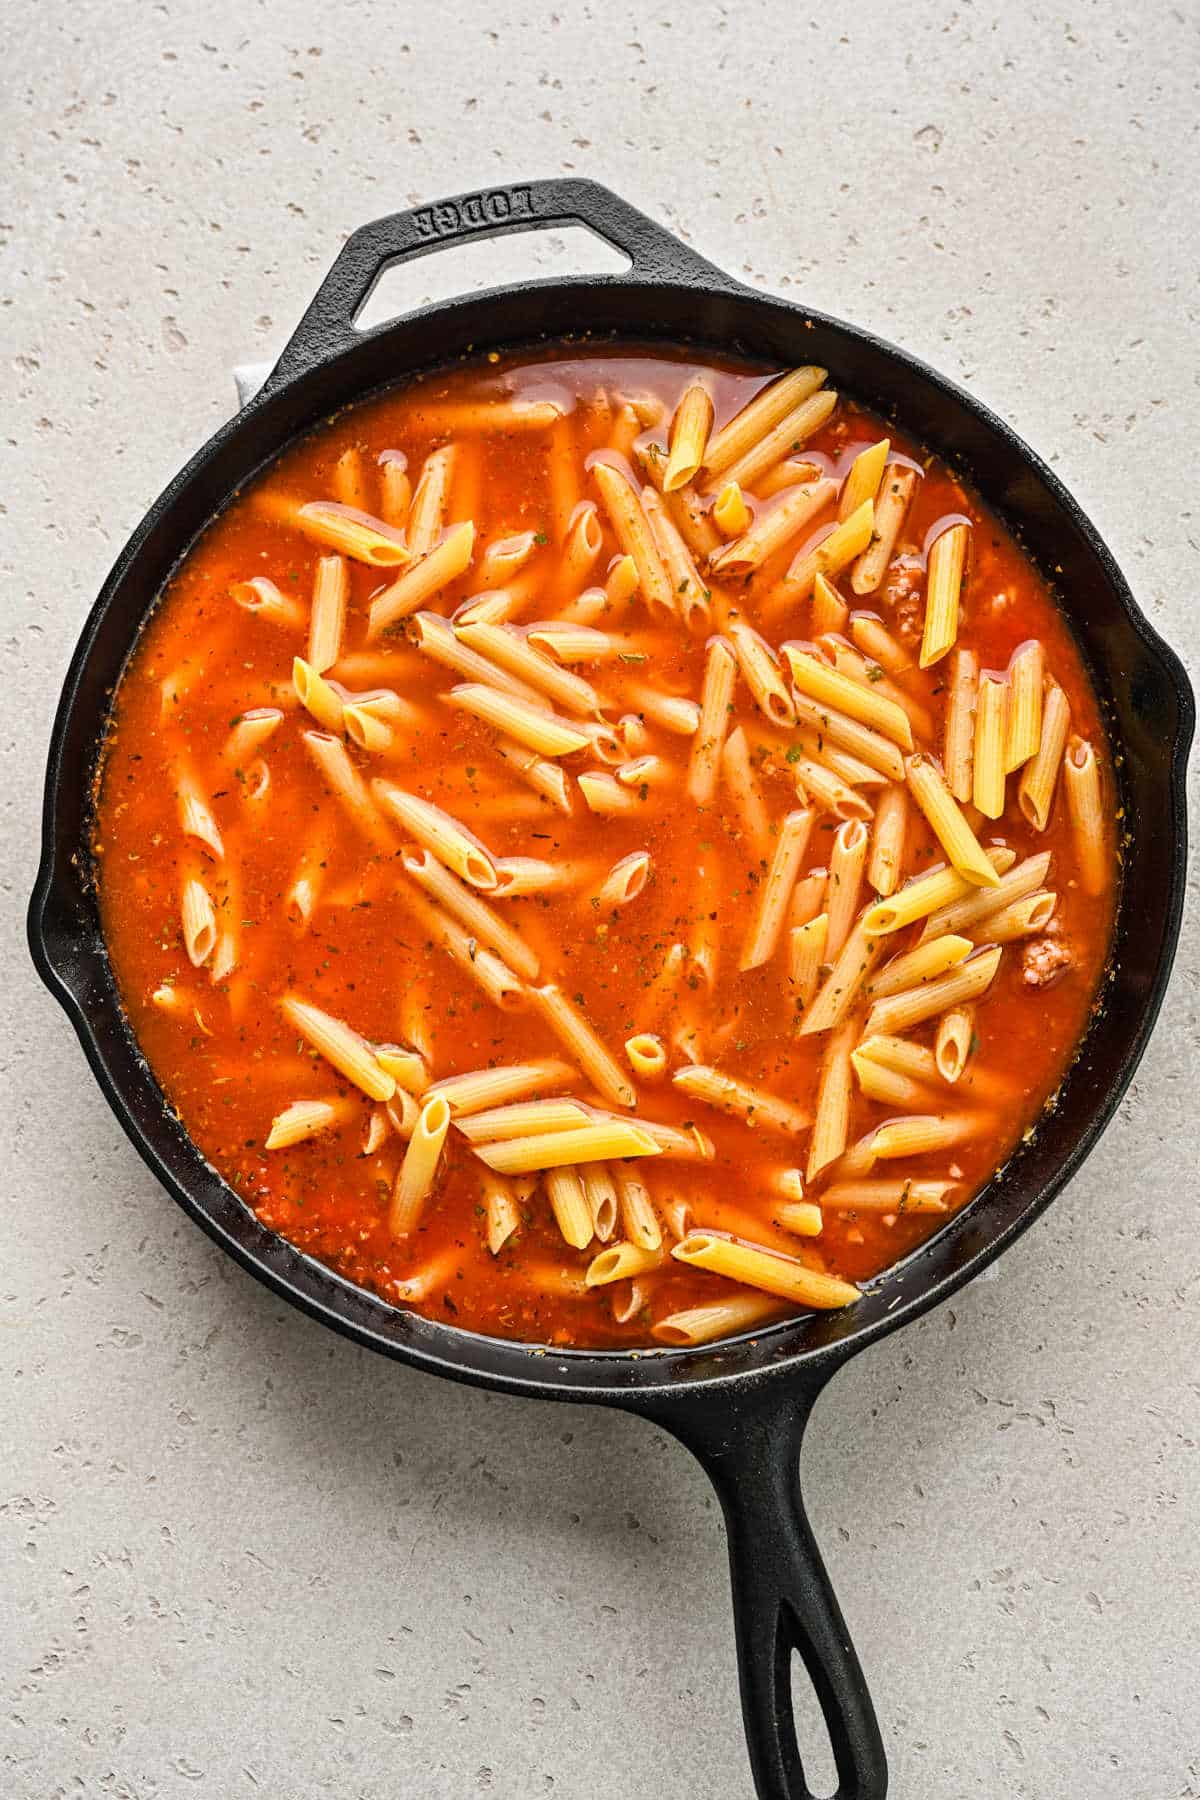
[812,1734]
[464,268]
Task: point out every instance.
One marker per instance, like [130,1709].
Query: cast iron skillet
[740,1406]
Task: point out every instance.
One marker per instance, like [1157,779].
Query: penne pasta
[955,1036]
[302,1120]
[520,875]
[632,528]
[760,671]
[878,645]
[647,1055]
[581,546]
[199,921]
[958,751]
[847,857]
[502,1214]
[1035,796]
[689,436]
[829,610]
[742,785]
[830,688]
[639,1221]
[757,1267]
[448,892]
[395,489]
[762,414]
[772,529]
[834,552]
[569,1204]
[766,928]
[860,741]
[593,1142]
[348,787]
[501,985]
[541,731]
[926,895]
[265,601]
[622,1261]
[670,712]
[730,513]
[348,1053]
[970,908]
[520,1119]
[924,1134]
[321,701]
[887,1196]
[720,673]
[502,646]
[806,955]
[600,1192]
[820,787]
[929,958]
[436,637]
[694,1325]
[449,841]
[862,481]
[902,1012]
[352,533]
[478,1090]
[988,763]
[943,585]
[1026,687]
[437,569]
[1022,918]
[752,1104]
[584,1047]
[784,439]
[888,835]
[248,733]
[327,617]
[834,998]
[831,1121]
[865,674]
[624,881]
[928,788]
[892,502]
[419,1167]
[1081,780]
[427,510]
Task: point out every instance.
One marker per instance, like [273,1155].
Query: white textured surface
[239,1557]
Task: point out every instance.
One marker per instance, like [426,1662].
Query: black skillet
[740,1406]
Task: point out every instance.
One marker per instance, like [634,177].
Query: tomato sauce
[228,1062]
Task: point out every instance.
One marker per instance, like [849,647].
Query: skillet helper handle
[328,325]
[782,1599]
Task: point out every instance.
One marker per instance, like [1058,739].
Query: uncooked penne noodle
[842,694]
[888,1086]
[248,733]
[605,795]
[923,1134]
[195,816]
[752,1104]
[901,1012]
[823,789]
[581,546]
[499,644]
[569,1205]
[887,1196]
[449,840]
[887,839]
[773,528]
[437,638]
[265,601]
[766,927]
[427,511]
[801,1217]
[570,643]
[876,642]
[958,750]
[447,891]
[927,960]
[620,1261]
[730,513]
[522,1118]
[865,475]
[375,1131]
[791,472]
[1039,777]
[716,696]
[866,674]
[808,897]
[900,1055]
[503,556]
[846,860]
[488,417]
[502,1215]
[562,475]
[671,712]
[584,1047]
[892,502]
[443,564]
[519,875]
[770,1270]
[419,1167]
[639,1221]
[1023,918]
[987,783]
[694,1325]
[395,488]
[596,1141]
[371,720]
[955,1035]
[966,912]
[478,1089]
[837,549]
[1026,685]
[690,427]
[635,536]
[860,741]
[327,618]
[322,702]
[495,606]
[349,479]
[761,673]
[691,597]
[344,781]
[1081,780]
[760,415]
[620,585]
[742,783]
[943,586]
[624,881]
[600,1192]
[199,920]
[831,1119]
[407,1068]
[784,439]
[302,1120]
[928,788]
[829,610]
[501,984]
[353,533]
[349,1054]
[806,955]
[927,894]
[541,731]
[833,1000]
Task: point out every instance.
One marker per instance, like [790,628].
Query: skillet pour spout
[741,1406]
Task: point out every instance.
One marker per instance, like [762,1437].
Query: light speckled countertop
[239,1557]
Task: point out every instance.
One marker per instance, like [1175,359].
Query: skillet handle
[328,325]
[782,1598]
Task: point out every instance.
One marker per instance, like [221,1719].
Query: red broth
[227,1060]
